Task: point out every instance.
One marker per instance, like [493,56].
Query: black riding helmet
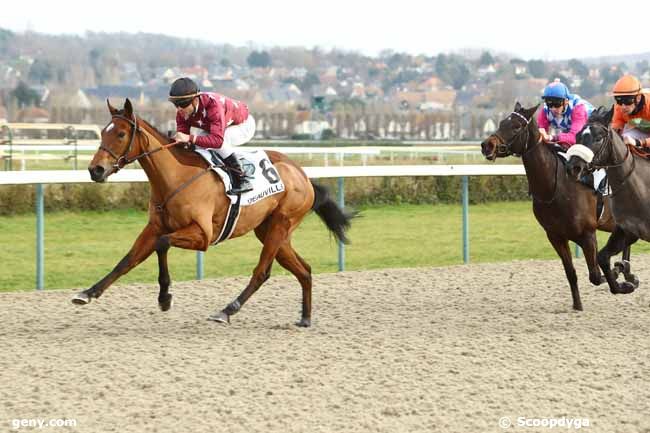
[183,91]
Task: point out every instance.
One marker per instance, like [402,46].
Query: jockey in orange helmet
[631,103]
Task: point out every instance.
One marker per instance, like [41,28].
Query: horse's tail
[336,219]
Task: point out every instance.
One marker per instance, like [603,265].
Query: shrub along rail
[41,178]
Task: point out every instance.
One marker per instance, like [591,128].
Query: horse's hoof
[304,323]
[632,279]
[577,307]
[81,298]
[624,288]
[220,317]
[627,287]
[597,280]
[167,304]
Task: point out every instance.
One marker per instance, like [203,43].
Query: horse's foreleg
[589,245]
[141,249]
[276,235]
[191,237]
[616,243]
[562,248]
[164,281]
[625,266]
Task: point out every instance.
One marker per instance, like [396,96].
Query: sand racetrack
[450,349]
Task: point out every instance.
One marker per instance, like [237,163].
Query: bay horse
[188,207]
[628,171]
[566,210]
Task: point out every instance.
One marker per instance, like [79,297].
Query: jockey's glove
[189,146]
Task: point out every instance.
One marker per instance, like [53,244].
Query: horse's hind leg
[291,261]
[562,248]
[142,248]
[616,243]
[277,233]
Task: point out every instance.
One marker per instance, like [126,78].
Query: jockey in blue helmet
[563,116]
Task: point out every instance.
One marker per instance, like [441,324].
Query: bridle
[608,146]
[123,160]
[504,148]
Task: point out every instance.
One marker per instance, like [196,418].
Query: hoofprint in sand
[450,349]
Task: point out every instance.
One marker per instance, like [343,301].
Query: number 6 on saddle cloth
[265,180]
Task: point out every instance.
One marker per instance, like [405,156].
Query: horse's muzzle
[97,173]
[488,149]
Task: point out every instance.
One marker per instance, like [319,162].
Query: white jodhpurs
[632,132]
[235,135]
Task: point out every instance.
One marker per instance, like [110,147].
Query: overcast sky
[561,30]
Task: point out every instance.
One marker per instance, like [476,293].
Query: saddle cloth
[597,181]
[256,163]
[264,178]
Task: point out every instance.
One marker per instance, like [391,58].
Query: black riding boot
[241,181]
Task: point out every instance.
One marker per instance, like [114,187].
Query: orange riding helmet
[627,85]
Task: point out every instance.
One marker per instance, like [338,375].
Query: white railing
[40,178]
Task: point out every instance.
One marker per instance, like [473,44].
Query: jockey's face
[187,111]
[558,110]
[628,104]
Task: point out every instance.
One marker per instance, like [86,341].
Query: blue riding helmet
[556,89]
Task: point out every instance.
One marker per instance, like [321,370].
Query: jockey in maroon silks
[213,121]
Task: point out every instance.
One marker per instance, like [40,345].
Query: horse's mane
[183,156]
[600,115]
[159,135]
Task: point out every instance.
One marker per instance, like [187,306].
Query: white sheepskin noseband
[581,151]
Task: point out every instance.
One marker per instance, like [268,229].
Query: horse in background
[628,173]
[188,207]
[566,210]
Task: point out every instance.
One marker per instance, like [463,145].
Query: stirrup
[241,187]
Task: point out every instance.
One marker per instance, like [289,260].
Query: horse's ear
[517,107]
[609,115]
[128,108]
[529,112]
[111,109]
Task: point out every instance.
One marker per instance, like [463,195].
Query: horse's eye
[121,134]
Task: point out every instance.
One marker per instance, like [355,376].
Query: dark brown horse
[628,173]
[565,209]
[188,207]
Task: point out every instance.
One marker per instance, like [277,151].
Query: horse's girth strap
[161,206]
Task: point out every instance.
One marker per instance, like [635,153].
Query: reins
[505,148]
[123,160]
[609,145]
